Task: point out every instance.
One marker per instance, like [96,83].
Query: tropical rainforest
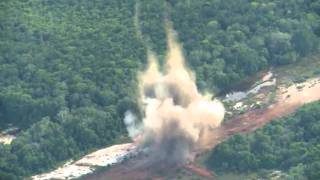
[68,73]
[291,144]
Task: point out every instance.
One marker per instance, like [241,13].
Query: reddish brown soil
[199,171]
[139,168]
[288,102]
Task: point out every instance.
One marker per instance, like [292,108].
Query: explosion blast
[176,115]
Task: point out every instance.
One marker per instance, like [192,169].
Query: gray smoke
[176,115]
[133,127]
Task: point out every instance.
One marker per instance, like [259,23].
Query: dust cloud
[176,114]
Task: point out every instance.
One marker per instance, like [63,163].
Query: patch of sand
[103,157]
[6,138]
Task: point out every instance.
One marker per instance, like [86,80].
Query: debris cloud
[176,114]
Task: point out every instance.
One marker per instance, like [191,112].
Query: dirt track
[289,99]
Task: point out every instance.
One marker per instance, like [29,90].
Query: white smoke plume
[133,127]
[176,115]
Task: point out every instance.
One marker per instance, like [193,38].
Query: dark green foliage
[151,20]
[284,144]
[68,68]
[226,40]
[56,55]
[44,144]
[67,75]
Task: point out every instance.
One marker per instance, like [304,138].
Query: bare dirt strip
[288,100]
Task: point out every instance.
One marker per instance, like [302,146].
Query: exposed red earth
[289,99]
[199,171]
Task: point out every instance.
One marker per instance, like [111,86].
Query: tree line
[290,144]
[68,68]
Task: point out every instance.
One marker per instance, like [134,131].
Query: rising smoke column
[177,115]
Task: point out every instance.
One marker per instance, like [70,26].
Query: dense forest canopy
[291,144]
[68,68]
[226,40]
[67,74]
